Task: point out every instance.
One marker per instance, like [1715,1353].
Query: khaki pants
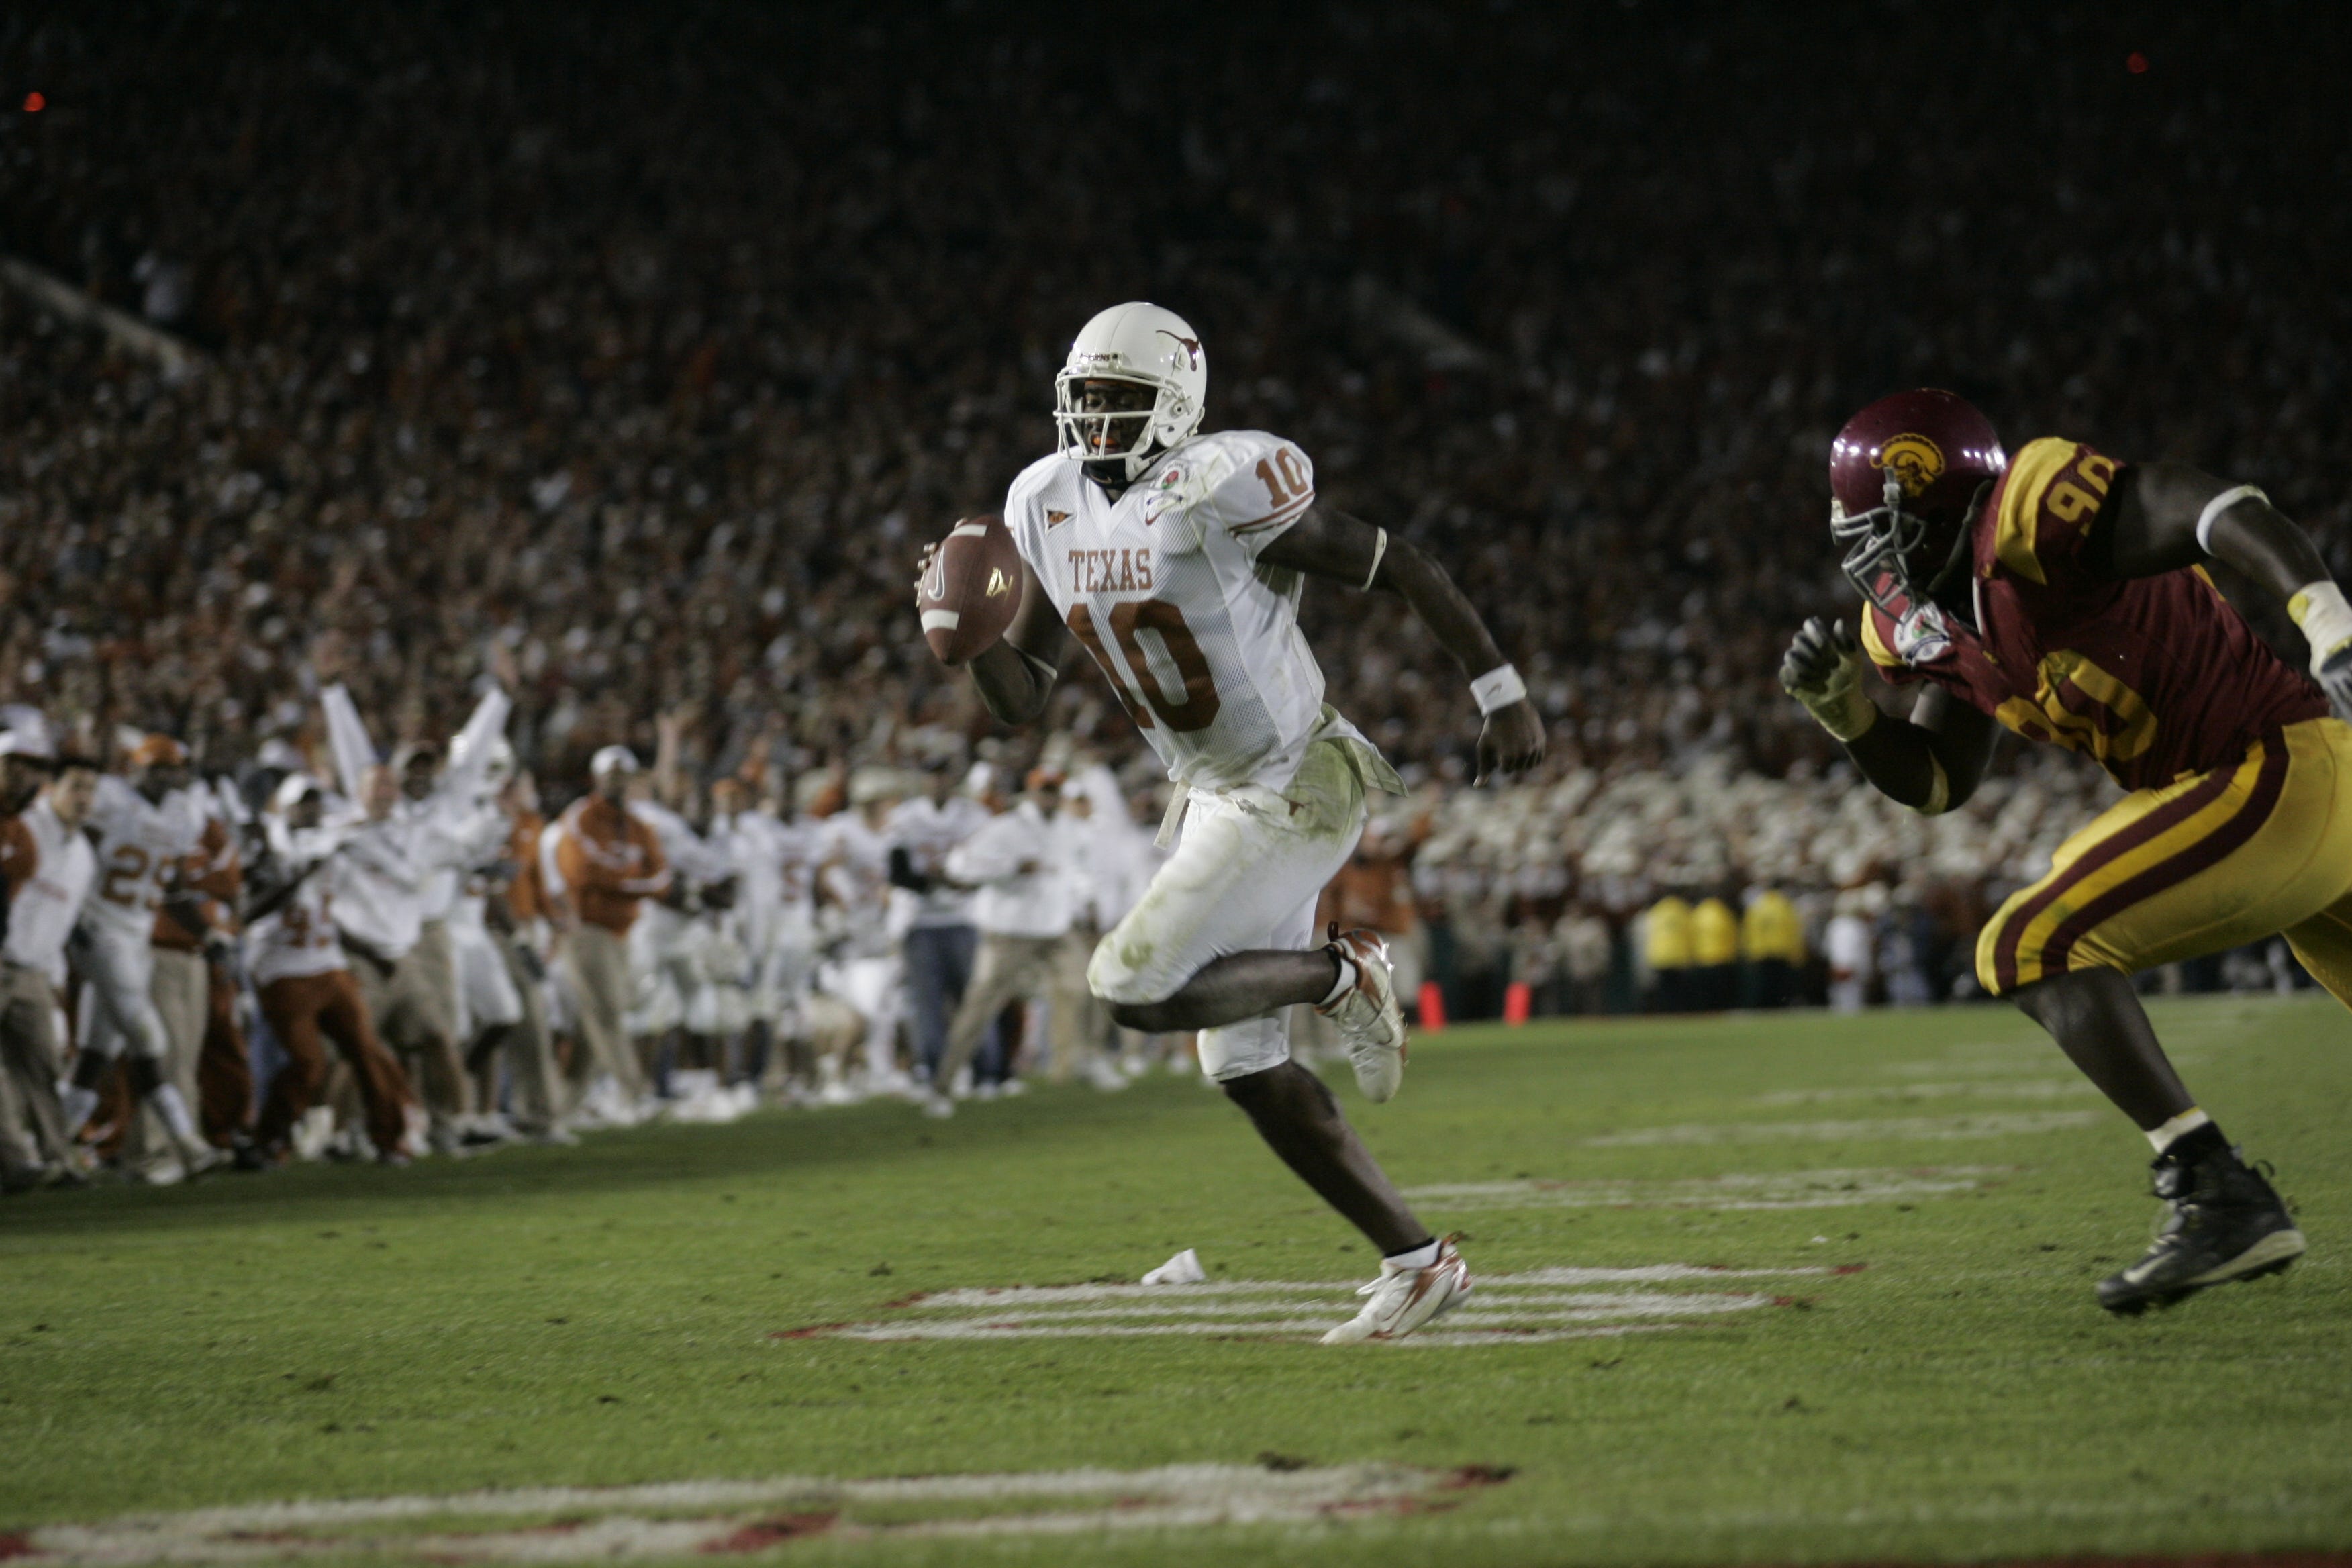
[598,961]
[181,989]
[32,1126]
[1081,1021]
[528,1047]
[411,1012]
[304,1010]
[1009,968]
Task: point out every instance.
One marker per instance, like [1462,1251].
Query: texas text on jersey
[1163,586]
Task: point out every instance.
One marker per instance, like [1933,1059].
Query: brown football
[968,597]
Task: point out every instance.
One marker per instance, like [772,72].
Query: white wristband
[1498,688]
[2327,620]
[2216,507]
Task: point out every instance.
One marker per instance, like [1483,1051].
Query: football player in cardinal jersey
[1177,560]
[2063,593]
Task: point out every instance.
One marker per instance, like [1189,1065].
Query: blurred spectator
[1714,955]
[1667,954]
[1772,943]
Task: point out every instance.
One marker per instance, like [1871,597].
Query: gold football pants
[2209,862]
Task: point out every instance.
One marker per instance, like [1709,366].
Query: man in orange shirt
[517,915]
[610,862]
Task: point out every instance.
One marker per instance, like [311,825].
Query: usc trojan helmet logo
[1912,461]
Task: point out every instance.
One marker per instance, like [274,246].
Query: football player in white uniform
[1177,559]
[143,828]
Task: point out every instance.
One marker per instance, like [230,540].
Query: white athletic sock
[77,1103]
[165,1099]
[1346,981]
[2187,1121]
[1420,1256]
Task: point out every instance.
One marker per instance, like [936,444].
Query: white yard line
[740,1517]
[1784,1190]
[997,1296]
[889,1334]
[1589,1306]
[2023,1088]
[1507,1309]
[1887,1129]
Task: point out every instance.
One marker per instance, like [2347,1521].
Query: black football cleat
[2227,1223]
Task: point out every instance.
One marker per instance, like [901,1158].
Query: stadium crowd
[610,366]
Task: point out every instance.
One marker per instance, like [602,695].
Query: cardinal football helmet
[1907,477]
[1151,348]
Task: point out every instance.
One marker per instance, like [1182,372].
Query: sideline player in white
[1178,559]
[143,828]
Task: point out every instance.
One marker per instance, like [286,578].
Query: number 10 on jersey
[1198,708]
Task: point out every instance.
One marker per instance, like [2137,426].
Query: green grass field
[1899,1359]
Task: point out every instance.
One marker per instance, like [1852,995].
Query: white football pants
[1246,876]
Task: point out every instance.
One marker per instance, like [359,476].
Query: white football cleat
[1371,1023]
[1403,1299]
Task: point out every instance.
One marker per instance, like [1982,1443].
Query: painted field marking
[683,1519]
[1887,1130]
[2023,1088]
[1782,1190]
[1987,1061]
[1536,1306]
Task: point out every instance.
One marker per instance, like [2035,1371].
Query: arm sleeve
[469,753]
[551,849]
[655,878]
[986,856]
[2047,502]
[1268,485]
[347,737]
[19,858]
[1890,669]
[903,873]
[214,869]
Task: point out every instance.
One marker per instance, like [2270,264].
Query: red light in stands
[34,103]
[2135,63]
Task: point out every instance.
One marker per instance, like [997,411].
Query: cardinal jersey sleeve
[2048,500]
[1878,643]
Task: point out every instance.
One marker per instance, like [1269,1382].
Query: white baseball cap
[613,760]
[291,789]
[34,744]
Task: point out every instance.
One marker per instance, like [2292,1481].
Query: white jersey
[53,876]
[136,840]
[799,848]
[1163,586]
[856,860]
[777,862]
[299,937]
[928,831]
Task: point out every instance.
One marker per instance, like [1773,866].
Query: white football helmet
[1151,348]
